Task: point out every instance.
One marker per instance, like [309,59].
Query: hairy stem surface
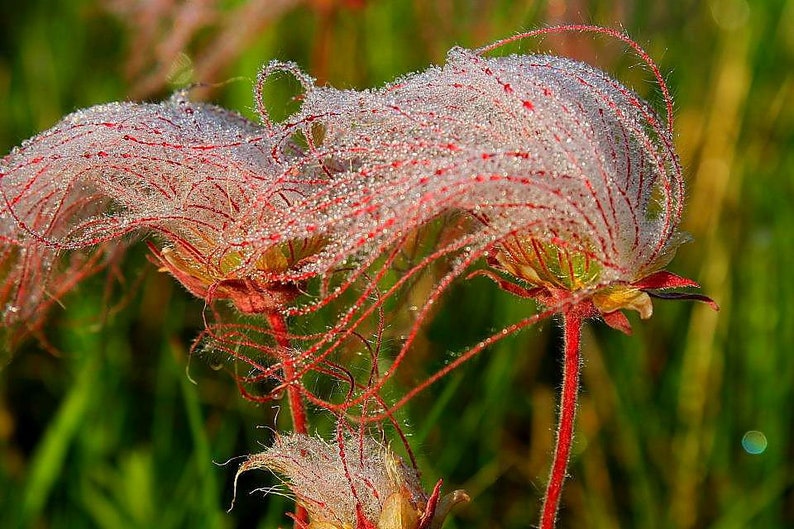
[296,405]
[572,331]
[297,408]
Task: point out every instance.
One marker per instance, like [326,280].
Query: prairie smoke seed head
[572,178]
[359,484]
[588,167]
[209,184]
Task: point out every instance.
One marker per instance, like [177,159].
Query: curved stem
[572,330]
[297,408]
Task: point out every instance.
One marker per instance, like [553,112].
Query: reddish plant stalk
[572,331]
[296,406]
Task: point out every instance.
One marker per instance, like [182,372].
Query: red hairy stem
[572,329]
[296,407]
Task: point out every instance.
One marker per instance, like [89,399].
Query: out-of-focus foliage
[100,426]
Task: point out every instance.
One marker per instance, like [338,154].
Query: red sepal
[430,509]
[299,524]
[617,320]
[663,280]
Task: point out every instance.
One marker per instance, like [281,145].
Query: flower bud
[357,484]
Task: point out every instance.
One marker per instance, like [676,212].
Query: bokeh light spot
[730,14]
[754,442]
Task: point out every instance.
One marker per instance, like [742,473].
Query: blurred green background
[101,426]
